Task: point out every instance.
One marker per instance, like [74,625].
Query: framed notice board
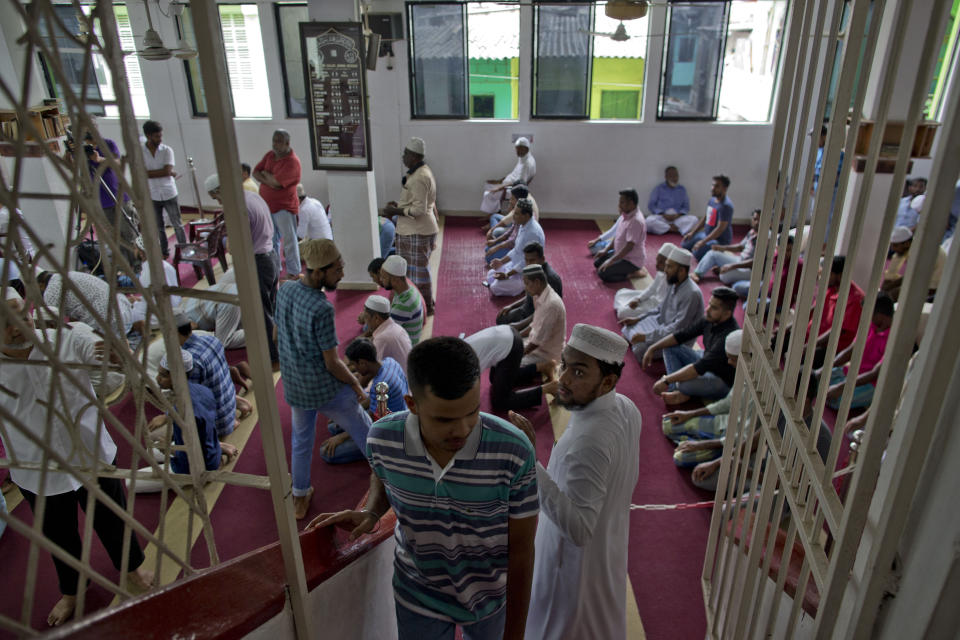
[335,74]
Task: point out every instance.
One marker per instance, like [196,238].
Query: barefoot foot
[674,397]
[62,611]
[228,453]
[301,505]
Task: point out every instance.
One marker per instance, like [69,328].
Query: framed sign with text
[335,74]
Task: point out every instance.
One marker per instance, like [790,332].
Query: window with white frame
[99,85]
[246,65]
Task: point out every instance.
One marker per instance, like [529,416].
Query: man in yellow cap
[315,379]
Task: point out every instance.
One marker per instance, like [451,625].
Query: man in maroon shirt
[279,174]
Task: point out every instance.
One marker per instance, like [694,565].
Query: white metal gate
[783,496]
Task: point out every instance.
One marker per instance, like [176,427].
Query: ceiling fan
[619,35]
[153,48]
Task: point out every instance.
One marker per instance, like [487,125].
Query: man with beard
[406,304]
[668,209]
[580,567]
[315,379]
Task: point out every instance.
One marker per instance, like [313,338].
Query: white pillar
[352,194]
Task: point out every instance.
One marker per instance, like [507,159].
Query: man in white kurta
[523,171]
[580,569]
[637,303]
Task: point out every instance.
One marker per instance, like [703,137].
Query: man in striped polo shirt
[463,486]
[406,305]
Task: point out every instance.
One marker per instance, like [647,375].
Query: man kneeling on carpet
[694,374]
[455,564]
[215,453]
[370,372]
[699,432]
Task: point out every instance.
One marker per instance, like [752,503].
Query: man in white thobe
[580,568]
[637,303]
[523,171]
[681,307]
[313,223]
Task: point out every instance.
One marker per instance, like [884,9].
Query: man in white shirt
[580,566]
[71,296]
[631,303]
[158,159]
[500,349]
[139,303]
[76,436]
[523,171]
[312,221]
[28,248]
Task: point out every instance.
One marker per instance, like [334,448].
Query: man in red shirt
[851,316]
[279,174]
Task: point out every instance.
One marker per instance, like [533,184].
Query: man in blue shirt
[315,379]
[370,371]
[668,208]
[715,227]
[504,279]
[211,370]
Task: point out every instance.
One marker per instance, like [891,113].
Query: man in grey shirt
[682,306]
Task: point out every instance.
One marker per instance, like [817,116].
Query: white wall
[581,164]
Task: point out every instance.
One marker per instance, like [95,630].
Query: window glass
[945,62]
[751,59]
[289,17]
[99,81]
[438,60]
[561,60]
[691,67]
[246,66]
[616,89]
[493,45]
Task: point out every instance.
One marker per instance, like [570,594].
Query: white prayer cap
[734,342]
[917,203]
[212,183]
[416,145]
[139,242]
[602,344]
[901,234]
[301,192]
[378,304]
[187,361]
[522,142]
[395,265]
[666,249]
[680,256]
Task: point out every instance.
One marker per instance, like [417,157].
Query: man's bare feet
[62,611]
[548,369]
[244,407]
[674,397]
[551,387]
[141,579]
[695,277]
[301,505]
[228,453]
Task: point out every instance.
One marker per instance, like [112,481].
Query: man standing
[72,429]
[117,211]
[681,307]
[523,172]
[628,252]
[417,219]
[503,278]
[279,174]
[715,227]
[455,564]
[314,223]
[706,374]
[158,159]
[580,570]
[406,306]
[668,208]
[389,338]
[261,235]
[315,379]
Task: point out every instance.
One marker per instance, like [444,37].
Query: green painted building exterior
[616,90]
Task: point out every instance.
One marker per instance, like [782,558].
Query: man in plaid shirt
[315,379]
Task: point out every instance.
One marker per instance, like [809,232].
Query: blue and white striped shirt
[452,524]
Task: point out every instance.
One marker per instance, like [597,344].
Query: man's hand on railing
[358,522]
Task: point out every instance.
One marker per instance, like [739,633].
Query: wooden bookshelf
[46,119]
